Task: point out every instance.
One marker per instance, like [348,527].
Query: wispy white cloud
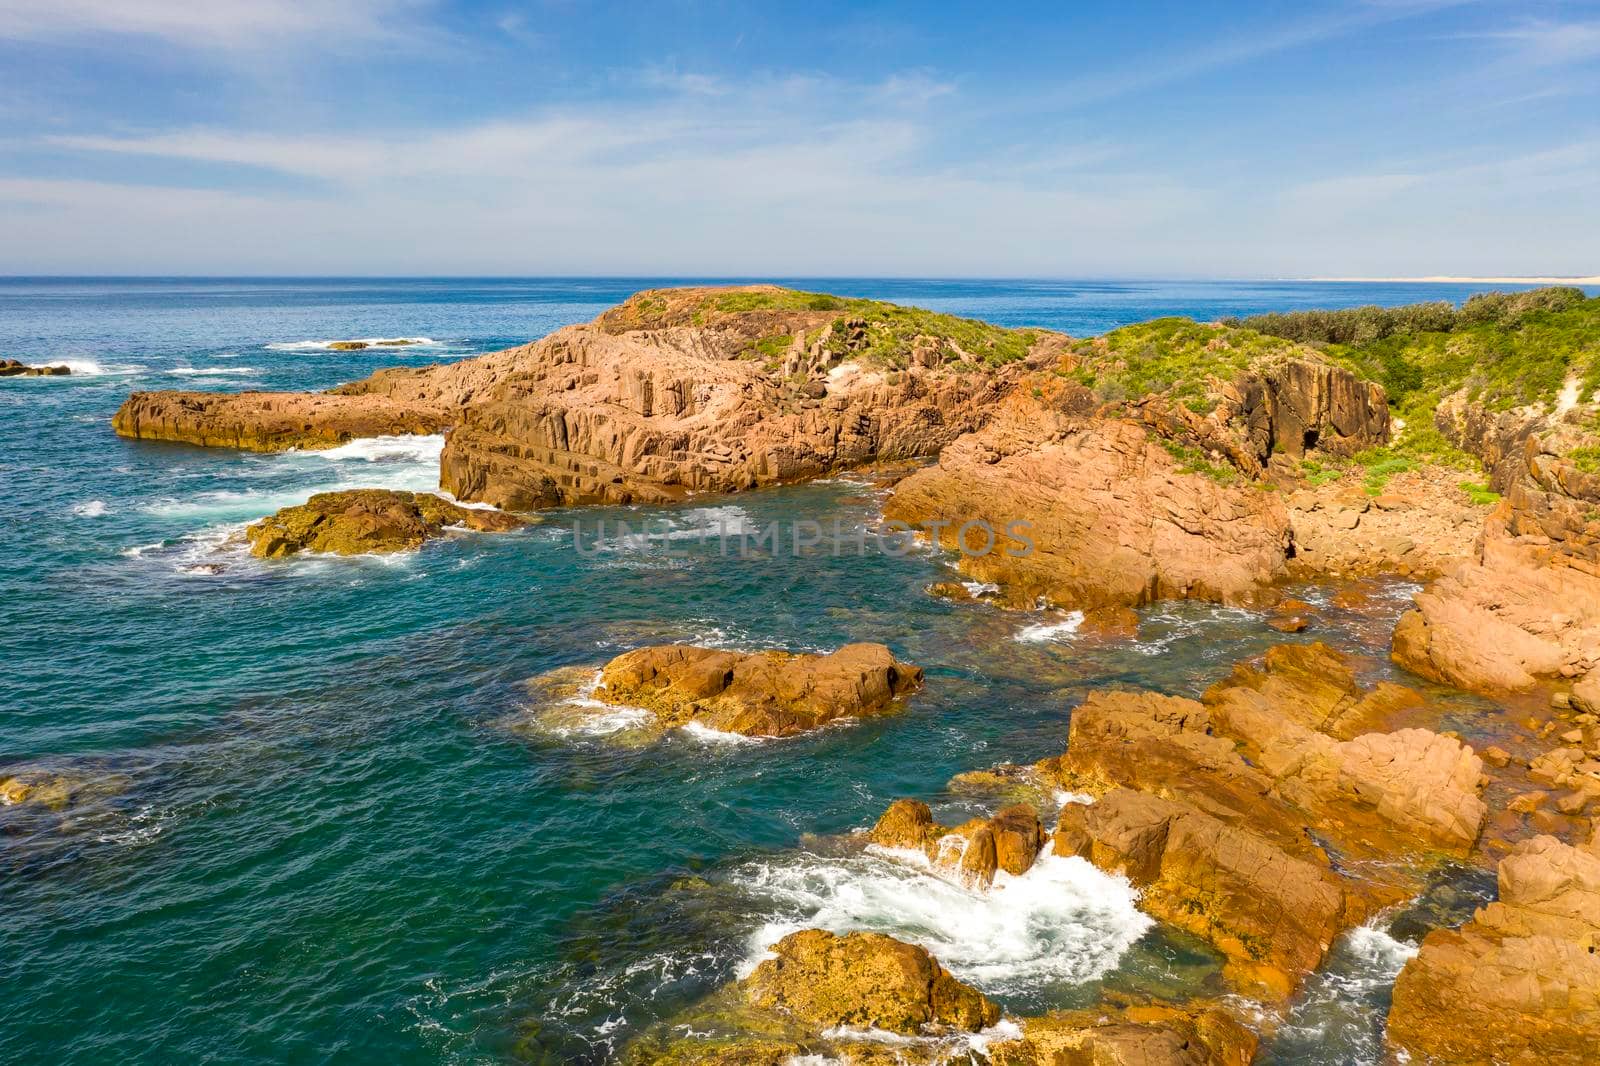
[202,23]
[1546,43]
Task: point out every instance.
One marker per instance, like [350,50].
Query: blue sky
[1391,137]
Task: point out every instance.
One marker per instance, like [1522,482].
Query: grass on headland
[1176,357]
[1505,349]
[893,331]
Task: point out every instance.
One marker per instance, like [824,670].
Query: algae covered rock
[766,694]
[865,980]
[367,521]
[11,368]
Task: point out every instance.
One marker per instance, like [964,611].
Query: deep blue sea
[329,817]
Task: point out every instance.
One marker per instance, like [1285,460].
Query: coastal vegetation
[1179,358]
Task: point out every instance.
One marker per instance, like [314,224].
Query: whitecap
[410,448]
[379,343]
[1042,632]
[90,509]
[1062,921]
[980,588]
[704,733]
[88,368]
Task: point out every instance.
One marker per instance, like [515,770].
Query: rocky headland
[1293,801]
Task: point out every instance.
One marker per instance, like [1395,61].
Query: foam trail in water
[90,509]
[1063,920]
[410,448]
[1042,632]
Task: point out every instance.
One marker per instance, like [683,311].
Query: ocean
[332,827]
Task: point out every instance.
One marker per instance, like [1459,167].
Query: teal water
[334,827]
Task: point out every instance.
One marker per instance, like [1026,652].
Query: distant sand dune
[1443,279]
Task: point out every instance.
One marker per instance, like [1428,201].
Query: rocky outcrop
[1224,811]
[863,999]
[272,421]
[763,694]
[1294,406]
[975,851]
[1144,1034]
[1520,982]
[1526,608]
[864,980]
[674,392]
[1419,526]
[1520,612]
[1111,517]
[367,522]
[11,368]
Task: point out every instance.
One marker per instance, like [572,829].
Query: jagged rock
[367,521]
[1147,1034]
[1272,915]
[1520,983]
[973,851]
[864,980]
[1112,519]
[11,368]
[769,694]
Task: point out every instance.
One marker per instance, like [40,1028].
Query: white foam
[88,368]
[1043,632]
[379,343]
[708,735]
[980,588]
[210,371]
[90,509]
[1062,921]
[408,448]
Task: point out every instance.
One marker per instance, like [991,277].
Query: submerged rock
[367,521]
[11,368]
[759,694]
[1201,1033]
[1518,983]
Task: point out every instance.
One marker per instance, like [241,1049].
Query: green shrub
[1481,495]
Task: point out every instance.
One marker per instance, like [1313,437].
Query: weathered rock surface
[1272,914]
[1220,809]
[367,521]
[1526,608]
[660,397]
[1112,518]
[864,980]
[975,850]
[1422,525]
[1145,1034]
[1520,983]
[11,368]
[767,694]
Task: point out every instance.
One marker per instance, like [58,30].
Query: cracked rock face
[1518,983]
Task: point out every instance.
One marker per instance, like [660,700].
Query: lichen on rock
[367,521]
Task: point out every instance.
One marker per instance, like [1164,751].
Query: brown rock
[1119,622]
[770,694]
[1195,1034]
[1111,518]
[1018,838]
[1572,802]
[864,980]
[1292,623]
[11,368]
[364,521]
[1527,802]
[1518,983]
[906,824]
[1495,756]
[1272,915]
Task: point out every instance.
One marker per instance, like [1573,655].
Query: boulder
[864,980]
[1520,982]
[972,852]
[767,694]
[367,521]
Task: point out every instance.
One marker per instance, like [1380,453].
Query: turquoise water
[335,826]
